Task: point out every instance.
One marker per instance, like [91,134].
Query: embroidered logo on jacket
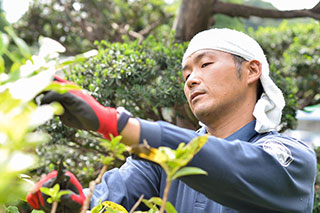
[278,150]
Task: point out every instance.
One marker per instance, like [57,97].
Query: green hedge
[144,78]
[294,53]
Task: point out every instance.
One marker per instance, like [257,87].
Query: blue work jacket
[247,172]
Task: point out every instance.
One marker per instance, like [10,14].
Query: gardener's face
[212,86]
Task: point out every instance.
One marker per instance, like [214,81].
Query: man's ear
[253,71]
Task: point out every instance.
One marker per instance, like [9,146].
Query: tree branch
[316,8]
[246,11]
[153,25]
[125,30]
[92,186]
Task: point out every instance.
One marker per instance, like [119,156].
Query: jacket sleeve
[275,172]
[126,184]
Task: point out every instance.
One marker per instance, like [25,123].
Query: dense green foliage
[80,150]
[144,78]
[21,80]
[293,52]
[77,24]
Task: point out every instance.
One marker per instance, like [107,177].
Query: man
[251,167]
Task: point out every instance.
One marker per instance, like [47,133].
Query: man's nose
[193,79]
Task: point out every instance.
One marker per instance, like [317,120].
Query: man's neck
[229,119]
[225,127]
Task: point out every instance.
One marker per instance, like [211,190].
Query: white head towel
[268,109]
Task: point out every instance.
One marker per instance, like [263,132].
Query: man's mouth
[194,95]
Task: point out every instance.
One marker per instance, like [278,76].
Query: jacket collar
[246,133]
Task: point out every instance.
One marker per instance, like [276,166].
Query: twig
[245,11]
[136,204]
[54,207]
[92,186]
[85,149]
[165,196]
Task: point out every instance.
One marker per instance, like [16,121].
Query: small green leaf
[105,143]
[2,64]
[4,42]
[120,156]
[77,59]
[97,208]
[69,61]
[37,211]
[106,160]
[149,204]
[12,209]
[62,88]
[179,150]
[170,208]
[45,190]
[156,200]
[49,200]
[116,140]
[111,210]
[58,108]
[55,190]
[21,44]
[189,171]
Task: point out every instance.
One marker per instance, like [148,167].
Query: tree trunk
[194,16]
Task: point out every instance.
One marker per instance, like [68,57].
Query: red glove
[71,202]
[82,111]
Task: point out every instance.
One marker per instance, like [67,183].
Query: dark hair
[238,60]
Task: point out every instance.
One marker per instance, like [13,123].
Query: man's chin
[201,114]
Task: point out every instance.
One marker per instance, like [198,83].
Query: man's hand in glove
[71,203]
[82,111]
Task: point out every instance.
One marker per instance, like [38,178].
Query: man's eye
[186,78]
[206,64]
